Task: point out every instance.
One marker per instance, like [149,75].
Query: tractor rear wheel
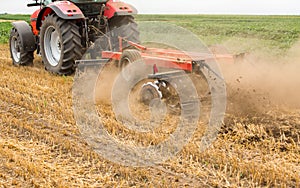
[60,45]
[125,27]
[19,56]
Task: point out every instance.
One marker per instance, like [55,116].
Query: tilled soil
[40,144]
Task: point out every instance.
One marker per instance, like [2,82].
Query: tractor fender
[26,36]
[117,8]
[63,9]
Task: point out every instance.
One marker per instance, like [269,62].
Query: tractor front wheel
[60,45]
[125,27]
[19,56]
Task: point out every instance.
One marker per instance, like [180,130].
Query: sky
[259,7]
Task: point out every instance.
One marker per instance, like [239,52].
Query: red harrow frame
[170,58]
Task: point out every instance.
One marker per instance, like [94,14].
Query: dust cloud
[257,83]
[105,83]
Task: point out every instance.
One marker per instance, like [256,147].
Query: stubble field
[258,145]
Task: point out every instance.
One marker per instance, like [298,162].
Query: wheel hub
[55,46]
[52,46]
[15,48]
[149,92]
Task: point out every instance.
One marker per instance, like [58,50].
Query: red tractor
[61,31]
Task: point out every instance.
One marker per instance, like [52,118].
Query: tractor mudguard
[118,9]
[26,36]
[63,9]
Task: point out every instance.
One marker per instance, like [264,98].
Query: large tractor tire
[118,26]
[19,55]
[60,45]
[125,27]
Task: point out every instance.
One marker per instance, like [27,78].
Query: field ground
[258,146]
